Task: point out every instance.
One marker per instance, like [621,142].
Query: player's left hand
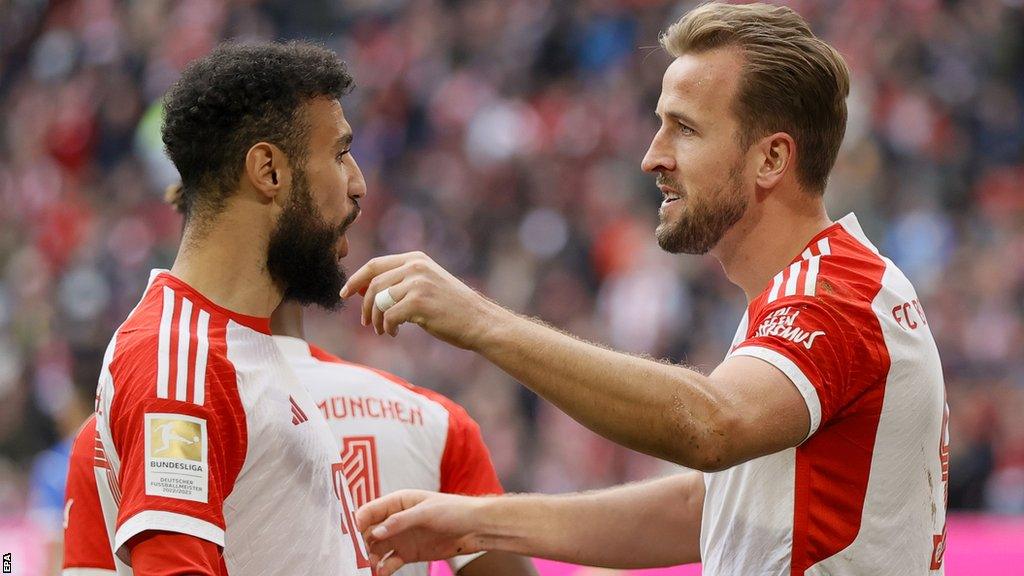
[425,294]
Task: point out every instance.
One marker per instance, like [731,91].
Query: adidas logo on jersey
[298,416]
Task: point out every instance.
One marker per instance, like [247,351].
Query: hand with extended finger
[417,526]
[413,288]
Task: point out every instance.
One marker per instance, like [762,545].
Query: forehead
[326,119]
[701,84]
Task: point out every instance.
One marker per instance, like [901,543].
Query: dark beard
[703,223]
[301,254]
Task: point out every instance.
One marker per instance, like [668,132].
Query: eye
[341,155]
[686,130]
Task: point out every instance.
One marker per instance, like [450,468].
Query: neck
[226,262]
[768,238]
[287,321]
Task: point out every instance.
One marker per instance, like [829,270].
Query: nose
[357,185]
[659,155]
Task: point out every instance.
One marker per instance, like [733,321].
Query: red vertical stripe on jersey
[190,380]
[801,277]
[832,467]
[172,352]
[224,399]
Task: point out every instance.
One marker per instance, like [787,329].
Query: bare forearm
[644,525]
[660,409]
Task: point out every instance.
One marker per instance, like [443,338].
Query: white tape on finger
[383,300]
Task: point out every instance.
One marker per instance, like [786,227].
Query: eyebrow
[344,141]
[679,117]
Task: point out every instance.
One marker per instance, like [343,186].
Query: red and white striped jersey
[86,539]
[865,493]
[394,435]
[196,420]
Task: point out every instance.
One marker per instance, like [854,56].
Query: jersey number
[348,520]
[359,459]
[360,472]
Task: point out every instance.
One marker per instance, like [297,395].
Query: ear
[777,155]
[267,169]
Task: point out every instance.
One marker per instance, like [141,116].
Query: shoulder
[397,384]
[822,303]
[161,336]
[85,440]
[838,274]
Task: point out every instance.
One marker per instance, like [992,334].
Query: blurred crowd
[504,138]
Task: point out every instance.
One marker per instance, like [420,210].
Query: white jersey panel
[398,436]
[286,463]
[906,487]
[731,515]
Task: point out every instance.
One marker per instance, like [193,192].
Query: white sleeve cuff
[168,522]
[457,563]
[795,375]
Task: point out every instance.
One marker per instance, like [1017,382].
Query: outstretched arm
[744,409]
[654,523]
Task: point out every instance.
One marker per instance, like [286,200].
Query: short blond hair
[792,81]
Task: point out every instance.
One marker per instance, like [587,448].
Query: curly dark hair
[236,96]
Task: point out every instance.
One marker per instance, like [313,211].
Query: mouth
[669,195]
[342,244]
[349,220]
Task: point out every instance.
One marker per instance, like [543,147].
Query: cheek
[329,187]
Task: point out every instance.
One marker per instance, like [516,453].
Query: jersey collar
[164,277]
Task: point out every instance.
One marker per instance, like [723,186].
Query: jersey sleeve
[86,543]
[180,442]
[170,554]
[819,343]
[466,466]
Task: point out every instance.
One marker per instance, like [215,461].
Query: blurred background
[504,138]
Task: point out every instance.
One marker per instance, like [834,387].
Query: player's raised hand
[413,288]
[417,526]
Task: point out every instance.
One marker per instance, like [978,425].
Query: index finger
[360,280]
[379,510]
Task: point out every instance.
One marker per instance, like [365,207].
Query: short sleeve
[815,343]
[86,542]
[466,466]
[179,453]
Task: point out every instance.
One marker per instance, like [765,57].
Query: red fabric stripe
[172,361]
[190,381]
[115,491]
[832,468]
[801,277]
